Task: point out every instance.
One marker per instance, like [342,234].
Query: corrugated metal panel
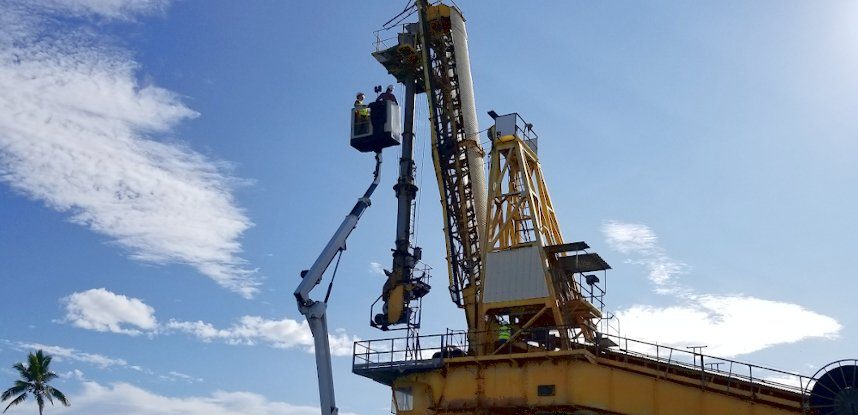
[514,275]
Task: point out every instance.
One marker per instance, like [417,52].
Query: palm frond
[37,369]
[40,400]
[19,399]
[23,371]
[46,361]
[59,395]
[34,358]
[14,390]
[49,376]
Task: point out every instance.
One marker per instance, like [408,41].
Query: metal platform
[384,360]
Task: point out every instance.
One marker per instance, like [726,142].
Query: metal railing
[421,274]
[434,349]
[711,368]
[593,293]
[398,351]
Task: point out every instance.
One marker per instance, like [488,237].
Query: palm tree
[34,380]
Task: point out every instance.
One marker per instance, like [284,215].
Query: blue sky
[167,169]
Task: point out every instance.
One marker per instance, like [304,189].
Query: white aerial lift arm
[315,311]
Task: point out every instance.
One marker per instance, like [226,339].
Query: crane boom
[456,152]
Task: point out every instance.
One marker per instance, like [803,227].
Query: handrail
[388,352]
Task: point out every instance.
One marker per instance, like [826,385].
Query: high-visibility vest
[504,332]
[361,109]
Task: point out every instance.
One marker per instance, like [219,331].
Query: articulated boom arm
[315,311]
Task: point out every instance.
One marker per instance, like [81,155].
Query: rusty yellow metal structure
[512,272]
[582,382]
[521,223]
[546,367]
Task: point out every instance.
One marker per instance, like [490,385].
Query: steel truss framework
[521,214]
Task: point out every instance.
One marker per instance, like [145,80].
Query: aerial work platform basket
[376,126]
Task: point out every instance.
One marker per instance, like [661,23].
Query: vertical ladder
[451,158]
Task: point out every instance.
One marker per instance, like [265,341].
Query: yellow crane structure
[536,341]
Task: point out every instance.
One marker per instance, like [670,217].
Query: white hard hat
[390,88]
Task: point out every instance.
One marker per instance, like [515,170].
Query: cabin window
[545,390]
[403,398]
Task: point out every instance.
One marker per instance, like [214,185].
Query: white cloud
[128,399]
[112,9]
[74,374]
[66,353]
[173,375]
[101,310]
[251,330]
[76,133]
[376,268]
[729,325]
[60,353]
[629,237]
[641,241]
[794,381]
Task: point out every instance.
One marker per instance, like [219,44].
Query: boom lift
[370,133]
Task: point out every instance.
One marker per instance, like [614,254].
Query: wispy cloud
[110,9]
[252,330]
[639,240]
[376,268]
[629,237]
[74,374]
[77,132]
[729,325]
[60,354]
[102,310]
[66,353]
[173,375]
[125,398]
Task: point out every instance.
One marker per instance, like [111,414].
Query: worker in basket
[361,115]
[361,109]
[387,95]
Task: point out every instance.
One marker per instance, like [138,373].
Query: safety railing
[414,306]
[432,350]
[590,289]
[398,352]
[524,131]
[361,121]
[710,368]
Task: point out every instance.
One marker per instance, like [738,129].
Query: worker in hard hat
[504,333]
[387,95]
[361,115]
[360,108]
